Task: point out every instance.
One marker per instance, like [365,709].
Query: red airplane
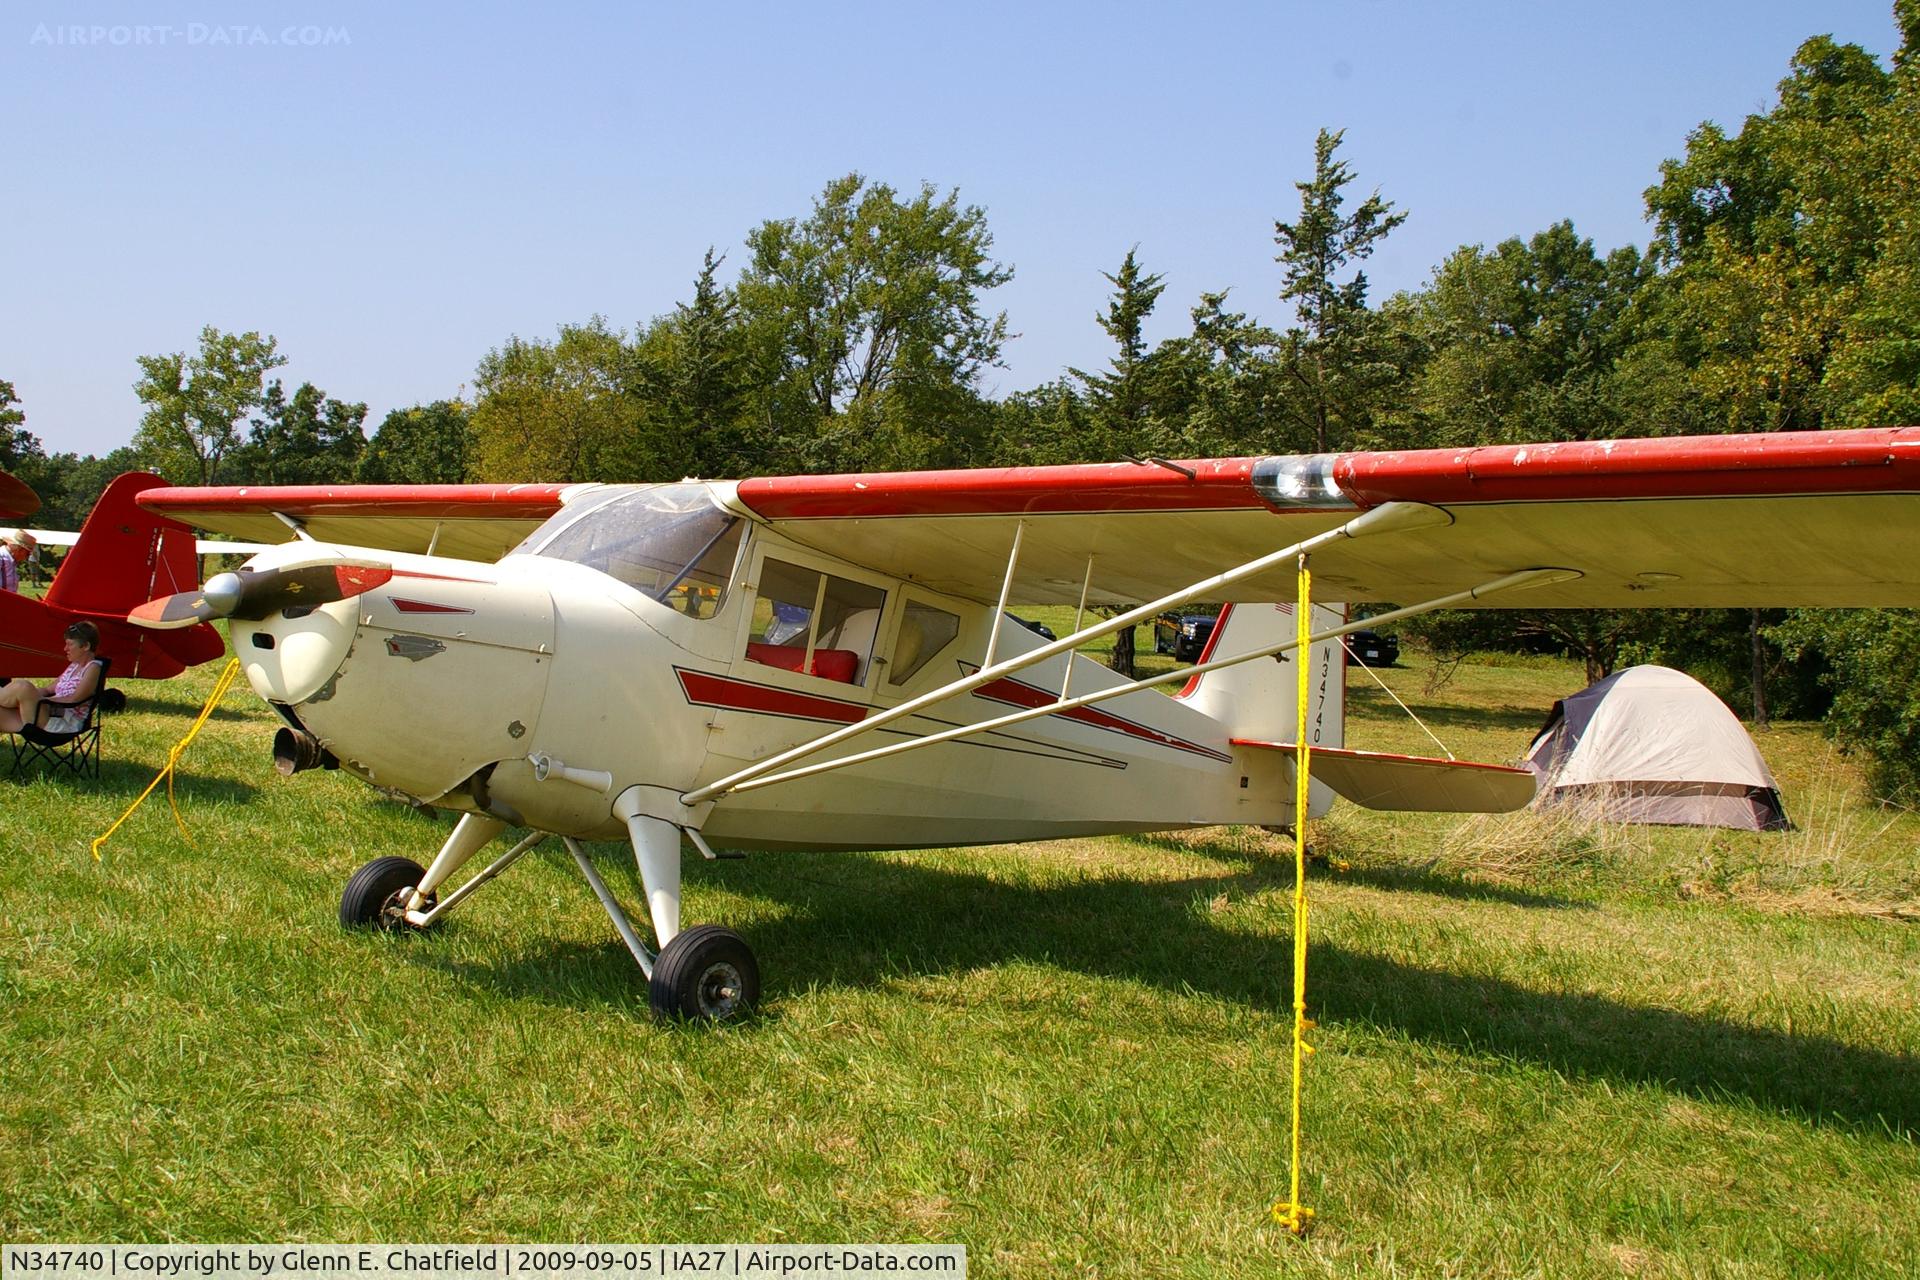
[16,499]
[124,556]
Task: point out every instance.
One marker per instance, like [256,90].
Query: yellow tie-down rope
[220,688]
[1290,1213]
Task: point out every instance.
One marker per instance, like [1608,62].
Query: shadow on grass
[1231,852]
[121,777]
[158,701]
[861,922]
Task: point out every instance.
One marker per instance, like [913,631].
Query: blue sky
[393,192]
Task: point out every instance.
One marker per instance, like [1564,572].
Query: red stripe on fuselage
[705,690]
[1014,693]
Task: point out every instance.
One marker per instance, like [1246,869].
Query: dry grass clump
[1534,844]
[1842,858]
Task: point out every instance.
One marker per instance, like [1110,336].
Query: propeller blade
[251,594]
[269,590]
[170,613]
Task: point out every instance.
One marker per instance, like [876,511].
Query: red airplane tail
[125,556]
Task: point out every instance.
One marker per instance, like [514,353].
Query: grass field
[1544,1049]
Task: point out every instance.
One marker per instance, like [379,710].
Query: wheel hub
[393,912]
[719,990]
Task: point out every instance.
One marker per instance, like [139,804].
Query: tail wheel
[376,896]
[705,974]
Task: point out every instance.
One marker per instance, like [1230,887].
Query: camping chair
[77,750]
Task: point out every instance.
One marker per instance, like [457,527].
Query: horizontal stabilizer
[16,499]
[1423,784]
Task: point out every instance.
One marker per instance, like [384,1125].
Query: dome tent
[1653,745]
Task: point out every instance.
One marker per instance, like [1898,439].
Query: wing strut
[1512,582]
[1006,589]
[1393,517]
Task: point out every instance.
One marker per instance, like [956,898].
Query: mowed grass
[1544,1049]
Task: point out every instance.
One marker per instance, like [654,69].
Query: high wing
[466,521]
[1794,518]
[1824,518]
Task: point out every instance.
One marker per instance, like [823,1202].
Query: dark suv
[1185,636]
[1371,649]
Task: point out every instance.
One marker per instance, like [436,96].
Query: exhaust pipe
[294,751]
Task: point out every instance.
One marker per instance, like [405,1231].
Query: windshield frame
[635,518]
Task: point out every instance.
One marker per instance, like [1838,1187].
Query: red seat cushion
[828,664]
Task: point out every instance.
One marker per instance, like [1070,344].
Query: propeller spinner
[255,593]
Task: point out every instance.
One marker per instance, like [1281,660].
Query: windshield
[668,541]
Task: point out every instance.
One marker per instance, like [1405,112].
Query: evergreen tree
[1333,359]
[1120,400]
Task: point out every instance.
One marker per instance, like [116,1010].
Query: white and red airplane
[826,661]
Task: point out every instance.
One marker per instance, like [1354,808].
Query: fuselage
[674,658]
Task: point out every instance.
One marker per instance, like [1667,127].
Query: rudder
[1257,699]
[125,555]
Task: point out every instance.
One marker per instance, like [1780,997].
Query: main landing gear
[704,974]
[376,896]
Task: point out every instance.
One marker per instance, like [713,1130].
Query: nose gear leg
[656,851]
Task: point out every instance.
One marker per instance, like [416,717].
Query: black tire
[706,974]
[376,895]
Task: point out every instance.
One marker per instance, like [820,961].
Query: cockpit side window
[813,622]
[668,541]
[925,632]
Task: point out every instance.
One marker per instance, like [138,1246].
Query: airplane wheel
[706,974]
[376,896]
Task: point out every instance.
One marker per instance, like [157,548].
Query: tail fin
[1257,699]
[125,556]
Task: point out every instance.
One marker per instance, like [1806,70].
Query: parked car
[1371,649]
[1190,635]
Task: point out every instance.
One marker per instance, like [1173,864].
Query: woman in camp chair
[72,692]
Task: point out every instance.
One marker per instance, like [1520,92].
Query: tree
[1873,378]
[72,483]
[1871,655]
[691,373]
[866,328]
[426,444]
[1332,358]
[1047,425]
[195,403]
[1521,343]
[16,442]
[1766,238]
[309,439]
[20,450]
[1121,400]
[22,454]
[558,410]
